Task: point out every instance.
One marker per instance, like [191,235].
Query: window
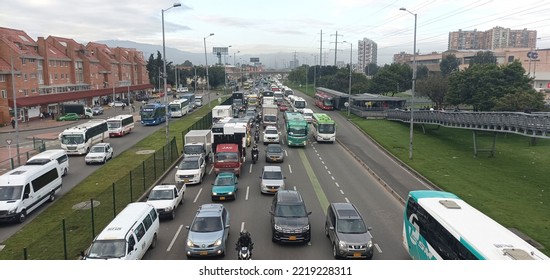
[131,243]
[62,159]
[3,94]
[139,231]
[45,179]
[25,76]
[2,78]
[153,214]
[147,222]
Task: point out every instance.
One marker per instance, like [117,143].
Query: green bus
[323,128]
[296,129]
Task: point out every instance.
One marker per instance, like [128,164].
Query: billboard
[220,50]
[254,59]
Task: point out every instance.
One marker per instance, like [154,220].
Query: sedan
[97,110]
[69,117]
[283,108]
[99,153]
[225,186]
[118,104]
[274,153]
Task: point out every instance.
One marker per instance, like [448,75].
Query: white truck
[220,112]
[198,142]
[166,198]
[269,114]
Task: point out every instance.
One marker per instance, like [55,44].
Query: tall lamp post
[413,87]
[164,74]
[225,72]
[350,64]
[206,62]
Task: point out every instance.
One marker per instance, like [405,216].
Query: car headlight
[342,244]
[168,209]
[218,242]
[229,193]
[214,193]
[190,243]
[278,228]
[12,211]
[306,227]
[369,244]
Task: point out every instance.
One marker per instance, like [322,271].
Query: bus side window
[26,191]
[131,243]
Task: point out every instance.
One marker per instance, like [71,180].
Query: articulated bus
[120,125]
[179,108]
[296,129]
[153,114]
[79,139]
[324,101]
[439,225]
[324,128]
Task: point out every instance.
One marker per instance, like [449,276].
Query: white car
[117,104]
[271,135]
[99,153]
[191,170]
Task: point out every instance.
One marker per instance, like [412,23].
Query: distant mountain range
[275,60]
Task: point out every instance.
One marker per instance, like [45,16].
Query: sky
[285,27]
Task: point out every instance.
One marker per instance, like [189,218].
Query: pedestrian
[53,116]
[12,122]
[133,108]
[41,115]
[123,105]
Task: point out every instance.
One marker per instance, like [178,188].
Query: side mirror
[271,212]
[331,228]
[369,228]
[309,213]
[187,227]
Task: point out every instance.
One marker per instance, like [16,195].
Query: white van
[25,188]
[308,114]
[131,233]
[58,155]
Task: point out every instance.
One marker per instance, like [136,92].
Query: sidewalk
[35,125]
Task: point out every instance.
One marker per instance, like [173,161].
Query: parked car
[97,110]
[272,179]
[348,233]
[289,218]
[191,170]
[118,104]
[274,153]
[69,117]
[225,186]
[208,232]
[99,153]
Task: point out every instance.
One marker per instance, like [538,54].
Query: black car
[289,218]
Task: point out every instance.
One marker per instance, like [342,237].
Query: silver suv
[272,179]
[208,232]
[348,234]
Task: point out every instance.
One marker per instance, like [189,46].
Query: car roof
[345,210]
[272,168]
[288,196]
[101,144]
[270,127]
[164,187]
[226,174]
[274,145]
[192,158]
[210,210]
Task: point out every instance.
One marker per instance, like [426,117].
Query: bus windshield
[326,128]
[72,139]
[103,249]
[148,115]
[328,102]
[296,131]
[8,193]
[112,125]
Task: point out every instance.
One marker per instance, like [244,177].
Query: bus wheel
[51,198]
[22,216]
[65,172]
[154,242]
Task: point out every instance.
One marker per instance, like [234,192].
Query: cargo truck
[229,146]
[269,114]
[82,110]
[198,142]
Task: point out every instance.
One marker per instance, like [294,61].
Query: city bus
[120,125]
[78,140]
[179,108]
[153,114]
[439,225]
[324,128]
[324,101]
[296,129]
[298,104]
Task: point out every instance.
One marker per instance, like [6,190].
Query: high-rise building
[495,38]
[366,53]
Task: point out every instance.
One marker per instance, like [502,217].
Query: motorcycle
[244,253]
[257,136]
[254,157]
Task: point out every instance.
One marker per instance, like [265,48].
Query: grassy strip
[43,238]
[510,187]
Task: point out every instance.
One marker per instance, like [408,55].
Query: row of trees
[484,85]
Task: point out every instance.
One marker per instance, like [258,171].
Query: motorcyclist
[245,241]
[255,151]
[256,135]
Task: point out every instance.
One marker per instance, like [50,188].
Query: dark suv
[348,234]
[289,218]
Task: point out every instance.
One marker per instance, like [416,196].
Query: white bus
[440,226]
[324,128]
[179,108]
[25,188]
[120,125]
[58,155]
[78,140]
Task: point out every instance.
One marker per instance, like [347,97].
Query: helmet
[244,232]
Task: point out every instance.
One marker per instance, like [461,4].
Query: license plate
[273,190]
[222,197]
[186,181]
[356,255]
[292,238]
[203,253]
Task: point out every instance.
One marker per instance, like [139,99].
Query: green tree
[449,64]
[435,88]
[422,72]
[483,57]
[187,63]
[371,69]
[391,79]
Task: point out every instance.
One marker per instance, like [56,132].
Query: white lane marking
[320,158]
[377,248]
[290,168]
[250,171]
[328,171]
[211,168]
[286,153]
[247,189]
[326,167]
[333,179]
[242,226]
[174,239]
[341,191]
[347,200]
[322,162]
[197,197]
[336,183]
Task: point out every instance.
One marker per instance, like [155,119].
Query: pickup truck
[166,198]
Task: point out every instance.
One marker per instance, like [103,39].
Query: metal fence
[26,151]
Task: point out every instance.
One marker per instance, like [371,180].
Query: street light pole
[225,72]
[349,87]
[413,87]
[164,75]
[206,62]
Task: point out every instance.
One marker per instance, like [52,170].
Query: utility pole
[336,47]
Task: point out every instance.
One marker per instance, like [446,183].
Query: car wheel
[65,172]
[173,214]
[104,160]
[326,230]
[22,216]
[51,197]
[154,242]
[334,251]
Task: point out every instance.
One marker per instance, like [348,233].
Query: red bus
[324,101]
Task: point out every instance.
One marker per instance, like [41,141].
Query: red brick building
[46,72]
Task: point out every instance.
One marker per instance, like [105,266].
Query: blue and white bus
[440,226]
[153,114]
[179,108]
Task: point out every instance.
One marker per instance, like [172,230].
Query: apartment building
[367,53]
[40,74]
[495,38]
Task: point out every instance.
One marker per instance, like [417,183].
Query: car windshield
[189,164]
[103,249]
[351,226]
[293,210]
[192,149]
[271,131]
[8,193]
[273,175]
[206,224]
[161,194]
[72,139]
[224,181]
[97,149]
[274,149]
[270,118]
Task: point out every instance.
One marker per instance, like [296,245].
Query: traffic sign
[532,55]
[8,141]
